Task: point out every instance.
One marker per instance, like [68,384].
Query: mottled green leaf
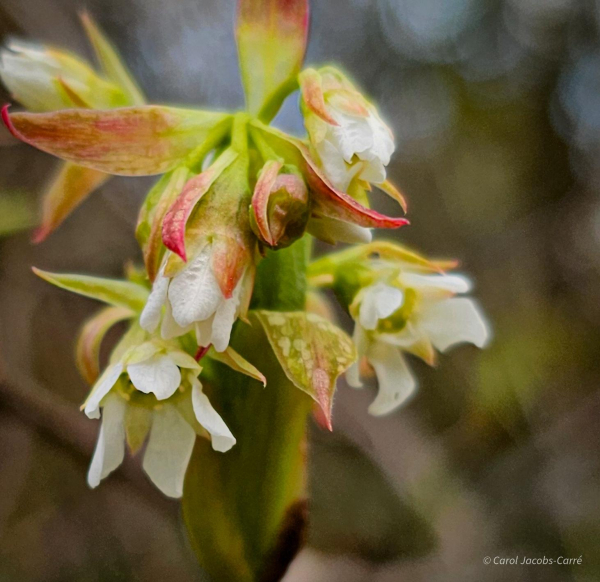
[312,351]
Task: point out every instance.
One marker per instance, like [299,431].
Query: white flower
[357,146]
[193,301]
[345,131]
[171,420]
[416,314]
[44,79]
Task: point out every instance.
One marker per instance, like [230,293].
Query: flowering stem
[239,532]
[202,351]
[239,132]
[266,151]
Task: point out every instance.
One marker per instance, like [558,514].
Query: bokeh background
[496,109]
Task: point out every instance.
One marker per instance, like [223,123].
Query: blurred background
[495,106]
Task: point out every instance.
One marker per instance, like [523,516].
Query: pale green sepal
[236,362]
[110,61]
[138,420]
[111,291]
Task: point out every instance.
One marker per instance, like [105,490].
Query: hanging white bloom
[193,300]
[47,79]
[171,420]
[345,130]
[415,313]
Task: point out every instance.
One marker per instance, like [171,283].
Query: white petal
[396,382]
[373,171]
[406,337]
[151,313]
[184,360]
[224,319]
[352,136]
[383,142]
[169,450]
[30,81]
[338,172]
[194,293]
[332,231]
[204,331]
[208,417]
[170,328]
[453,321]
[433,283]
[102,387]
[158,375]
[379,301]
[361,342]
[110,447]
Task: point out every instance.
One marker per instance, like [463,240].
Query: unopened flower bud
[280,208]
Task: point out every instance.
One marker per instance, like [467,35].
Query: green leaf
[112,291]
[149,227]
[312,351]
[235,504]
[354,508]
[130,141]
[87,351]
[236,362]
[110,61]
[271,36]
[70,187]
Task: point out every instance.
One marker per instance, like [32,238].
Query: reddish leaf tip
[40,234]
[202,351]
[7,121]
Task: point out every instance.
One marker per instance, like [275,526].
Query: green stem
[239,132]
[214,139]
[237,505]
[264,149]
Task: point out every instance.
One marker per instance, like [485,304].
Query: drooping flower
[346,133]
[47,79]
[207,276]
[194,301]
[401,303]
[152,390]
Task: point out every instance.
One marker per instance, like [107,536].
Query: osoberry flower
[346,132]
[401,303]
[47,79]
[152,390]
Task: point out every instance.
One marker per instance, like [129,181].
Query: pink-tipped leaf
[271,37]
[173,227]
[131,141]
[260,198]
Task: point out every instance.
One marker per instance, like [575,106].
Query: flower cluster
[232,190]
[401,303]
